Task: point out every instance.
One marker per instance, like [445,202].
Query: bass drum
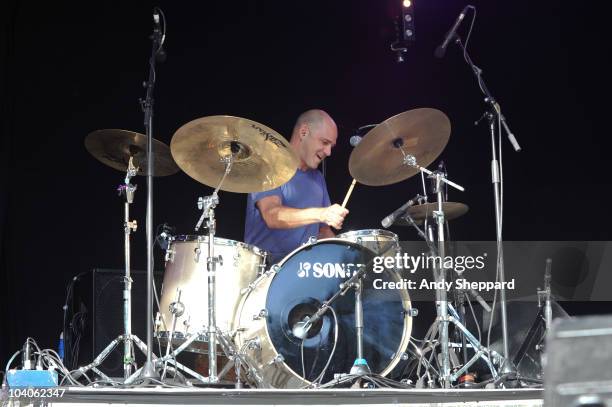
[296,288]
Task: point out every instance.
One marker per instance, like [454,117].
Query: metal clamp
[276,360]
[262,314]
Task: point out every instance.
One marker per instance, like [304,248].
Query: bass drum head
[311,275]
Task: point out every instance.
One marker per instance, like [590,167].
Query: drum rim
[329,239]
[222,240]
[368,232]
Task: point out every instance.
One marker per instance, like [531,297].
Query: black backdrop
[69,68]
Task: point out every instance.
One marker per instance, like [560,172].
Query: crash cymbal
[114,147]
[419,213]
[377,159]
[263,159]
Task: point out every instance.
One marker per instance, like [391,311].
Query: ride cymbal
[114,147]
[378,158]
[263,159]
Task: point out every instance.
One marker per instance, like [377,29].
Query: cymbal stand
[207,205]
[128,226]
[439,272]
[128,190]
[481,352]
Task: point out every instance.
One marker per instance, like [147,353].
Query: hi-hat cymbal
[378,159]
[263,159]
[419,213]
[114,147]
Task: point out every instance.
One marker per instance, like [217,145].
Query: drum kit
[304,321]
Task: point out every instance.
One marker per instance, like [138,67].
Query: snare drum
[185,286]
[380,241]
[296,288]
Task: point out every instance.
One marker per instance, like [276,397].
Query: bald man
[280,220]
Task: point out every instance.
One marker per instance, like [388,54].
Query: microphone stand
[148,371]
[496,120]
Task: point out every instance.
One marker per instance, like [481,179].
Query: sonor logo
[327,270]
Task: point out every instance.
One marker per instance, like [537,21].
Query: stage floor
[317,397]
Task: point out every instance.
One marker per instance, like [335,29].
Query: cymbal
[263,159]
[419,213]
[423,133]
[114,147]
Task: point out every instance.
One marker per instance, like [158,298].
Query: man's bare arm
[278,216]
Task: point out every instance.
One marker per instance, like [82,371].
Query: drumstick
[349,192]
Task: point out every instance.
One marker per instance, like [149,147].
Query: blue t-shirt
[306,189]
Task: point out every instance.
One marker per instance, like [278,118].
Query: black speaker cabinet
[578,370]
[107,320]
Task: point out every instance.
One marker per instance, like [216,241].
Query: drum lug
[262,314]
[273,270]
[187,323]
[170,255]
[278,359]
[197,252]
[403,356]
[411,312]
[262,265]
[254,344]
[311,240]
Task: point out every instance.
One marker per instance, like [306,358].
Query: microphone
[156,19]
[389,220]
[160,55]
[354,140]
[163,238]
[441,50]
[301,328]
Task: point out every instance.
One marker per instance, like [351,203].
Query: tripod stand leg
[100,358]
[101,374]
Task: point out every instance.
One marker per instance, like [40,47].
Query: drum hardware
[545,295]
[410,160]
[208,205]
[443,319]
[125,151]
[177,308]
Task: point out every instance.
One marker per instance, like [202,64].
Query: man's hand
[334,216]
